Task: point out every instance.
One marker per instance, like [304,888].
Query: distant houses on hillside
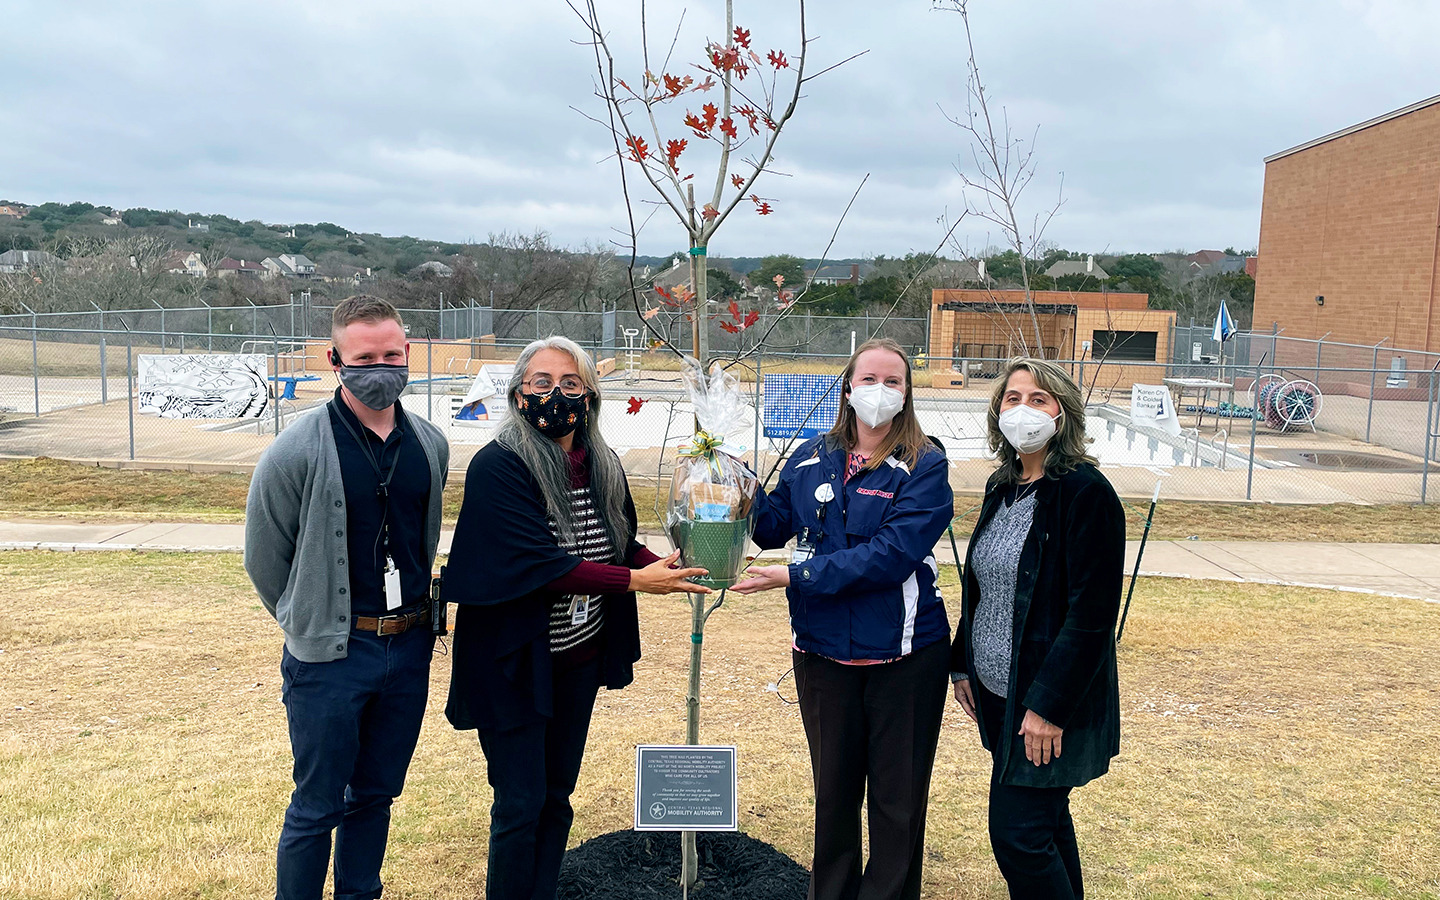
[239,268]
[288,265]
[180,262]
[15,261]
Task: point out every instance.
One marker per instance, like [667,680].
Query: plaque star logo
[657,810]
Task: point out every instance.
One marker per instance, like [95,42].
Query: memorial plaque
[683,788]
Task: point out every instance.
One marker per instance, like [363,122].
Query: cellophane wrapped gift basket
[712,493]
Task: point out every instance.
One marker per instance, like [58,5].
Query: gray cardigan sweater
[295,522]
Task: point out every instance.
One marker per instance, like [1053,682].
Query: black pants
[871,727]
[533,770]
[1031,831]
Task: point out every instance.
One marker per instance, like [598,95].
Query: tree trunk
[689,859]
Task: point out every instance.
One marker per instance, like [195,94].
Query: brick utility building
[1082,325]
[1350,234]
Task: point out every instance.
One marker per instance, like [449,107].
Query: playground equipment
[1287,405]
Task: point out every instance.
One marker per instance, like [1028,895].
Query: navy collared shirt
[367,514]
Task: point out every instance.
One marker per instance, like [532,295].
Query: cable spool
[1297,404]
[1287,405]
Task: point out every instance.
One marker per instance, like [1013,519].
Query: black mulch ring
[646,864]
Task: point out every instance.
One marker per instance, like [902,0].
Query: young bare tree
[1000,168]
[756,97]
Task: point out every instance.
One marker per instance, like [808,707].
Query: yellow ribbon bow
[705,445]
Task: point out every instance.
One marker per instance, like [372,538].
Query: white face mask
[876,404]
[1027,429]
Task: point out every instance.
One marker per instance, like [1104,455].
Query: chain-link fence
[1270,418]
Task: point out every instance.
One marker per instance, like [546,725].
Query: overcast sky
[453,119]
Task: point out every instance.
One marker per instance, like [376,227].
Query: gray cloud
[453,119]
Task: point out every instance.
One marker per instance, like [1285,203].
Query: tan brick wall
[1098,312]
[1356,220]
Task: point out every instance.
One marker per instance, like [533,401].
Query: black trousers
[533,770]
[871,728]
[1031,831]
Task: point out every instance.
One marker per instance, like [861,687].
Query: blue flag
[1224,325]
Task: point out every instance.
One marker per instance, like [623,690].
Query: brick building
[1082,325]
[1350,234]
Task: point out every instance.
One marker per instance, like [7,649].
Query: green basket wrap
[718,547]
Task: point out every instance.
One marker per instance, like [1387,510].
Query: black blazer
[502,557]
[1067,598]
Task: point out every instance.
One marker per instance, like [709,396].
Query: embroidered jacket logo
[871,492]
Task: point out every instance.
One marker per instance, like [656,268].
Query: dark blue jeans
[353,727]
[533,770]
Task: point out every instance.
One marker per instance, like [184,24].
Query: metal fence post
[1370,409]
[759,364]
[429,380]
[209,328]
[1429,427]
[35,356]
[1254,414]
[162,326]
[275,367]
[129,382]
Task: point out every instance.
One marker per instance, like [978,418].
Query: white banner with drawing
[204,385]
[1152,405]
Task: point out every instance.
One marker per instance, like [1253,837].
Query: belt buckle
[380,623]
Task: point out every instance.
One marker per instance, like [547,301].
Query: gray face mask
[378,386]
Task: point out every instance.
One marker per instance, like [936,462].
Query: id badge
[393,594]
[579,609]
[804,548]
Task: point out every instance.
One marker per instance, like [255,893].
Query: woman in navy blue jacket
[866,504]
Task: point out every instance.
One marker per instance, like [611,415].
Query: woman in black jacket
[1034,659]
[544,566]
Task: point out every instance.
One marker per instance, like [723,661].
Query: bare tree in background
[1000,168]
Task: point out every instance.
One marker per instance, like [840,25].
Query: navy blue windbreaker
[869,592]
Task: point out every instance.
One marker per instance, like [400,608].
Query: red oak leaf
[730,327]
[750,319]
[778,60]
[734,310]
[634,406]
[742,37]
[778,279]
[738,181]
[673,149]
[677,85]
[764,209]
[664,294]
[711,114]
[693,122]
[705,85]
[638,150]
[727,125]
[686,295]
[709,212]
[651,313]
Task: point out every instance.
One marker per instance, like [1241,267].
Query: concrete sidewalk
[1402,570]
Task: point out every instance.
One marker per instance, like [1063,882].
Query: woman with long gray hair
[1034,659]
[544,567]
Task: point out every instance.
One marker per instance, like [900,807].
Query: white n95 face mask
[1027,429]
[876,404]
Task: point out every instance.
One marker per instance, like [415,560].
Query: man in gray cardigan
[341,527]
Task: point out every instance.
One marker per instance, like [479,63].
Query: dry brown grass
[32,487]
[52,487]
[1394,523]
[1277,743]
